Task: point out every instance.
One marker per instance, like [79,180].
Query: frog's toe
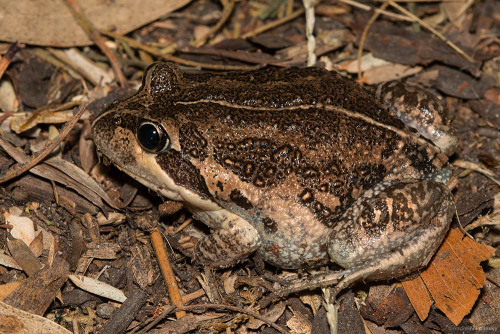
[393,229]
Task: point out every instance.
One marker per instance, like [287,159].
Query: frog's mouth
[156,179]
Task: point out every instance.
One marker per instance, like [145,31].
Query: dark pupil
[148,136]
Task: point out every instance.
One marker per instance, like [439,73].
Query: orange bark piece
[454,277]
[419,296]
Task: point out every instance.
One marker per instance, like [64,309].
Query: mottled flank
[293,163]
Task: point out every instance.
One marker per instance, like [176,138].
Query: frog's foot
[233,239]
[392,230]
[420,110]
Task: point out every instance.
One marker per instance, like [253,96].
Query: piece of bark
[387,305]
[36,294]
[36,189]
[350,320]
[77,245]
[122,318]
[141,266]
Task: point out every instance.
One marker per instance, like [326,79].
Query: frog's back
[280,88]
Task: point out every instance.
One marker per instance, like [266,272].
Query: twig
[51,145]
[183,225]
[365,33]
[431,29]
[226,14]
[94,35]
[193,295]
[477,168]
[274,24]
[368,8]
[122,318]
[5,116]
[169,308]
[175,59]
[7,58]
[235,309]
[308,283]
[168,273]
[157,320]
[492,219]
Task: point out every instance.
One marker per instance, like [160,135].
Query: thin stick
[235,309]
[226,14]
[7,58]
[169,57]
[368,8]
[51,145]
[274,24]
[168,273]
[183,225]
[365,33]
[94,35]
[431,29]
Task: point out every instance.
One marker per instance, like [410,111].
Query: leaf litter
[113,247]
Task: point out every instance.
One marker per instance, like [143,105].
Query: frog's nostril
[117,120]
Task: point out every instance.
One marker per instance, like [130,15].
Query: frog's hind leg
[233,239]
[392,230]
[420,110]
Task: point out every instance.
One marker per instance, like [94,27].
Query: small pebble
[105,311]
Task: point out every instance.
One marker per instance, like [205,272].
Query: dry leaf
[97,287]
[51,23]
[9,262]
[13,320]
[22,227]
[389,73]
[419,296]
[368,62]
[36,245]
[24,256]
[272,315]
[454,277]
[86,148]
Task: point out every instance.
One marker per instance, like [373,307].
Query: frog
[301,166]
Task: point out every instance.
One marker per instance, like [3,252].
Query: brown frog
[301,165]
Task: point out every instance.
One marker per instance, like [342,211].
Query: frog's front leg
[392,230]
[233,239]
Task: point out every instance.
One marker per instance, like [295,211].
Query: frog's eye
[152,137]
